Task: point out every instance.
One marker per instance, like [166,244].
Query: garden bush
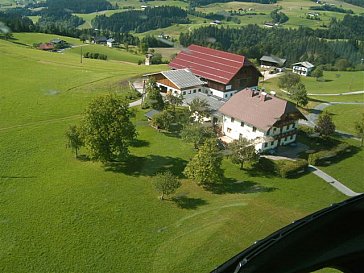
[283,168]
[319,158]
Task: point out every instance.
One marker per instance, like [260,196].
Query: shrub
[283,168]
[318,158]
[286,168]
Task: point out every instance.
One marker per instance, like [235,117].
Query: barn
[223,73]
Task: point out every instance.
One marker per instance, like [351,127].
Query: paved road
[337,94]
[333,182]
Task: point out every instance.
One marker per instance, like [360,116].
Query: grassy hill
[64,215]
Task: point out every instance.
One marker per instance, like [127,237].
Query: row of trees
[302,44]
[95,55]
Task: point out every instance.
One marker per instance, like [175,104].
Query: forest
[79,6]
[359,3]
[299,44]
[198,3]
[141,20]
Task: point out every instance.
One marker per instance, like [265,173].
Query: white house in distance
[303,68]
[111,42]
[177,82]
[267,120]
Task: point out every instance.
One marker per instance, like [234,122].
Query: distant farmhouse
[99,40]
[265,119]
[303,68]
[272,61]
[178,82]
[53,45]
[111,42]
[222,73]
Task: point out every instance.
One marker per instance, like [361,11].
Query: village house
[46,46]
[177,82]
[272,62]
[99,40]
[223,73]
[302,68]
[111,42]
[265,119]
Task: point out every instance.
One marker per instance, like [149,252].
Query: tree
[288,80]
[205,166]
[199,108]
[325,126]
[74,139]
[153,98]
[318,73]
[163,120]
[241,151]
[166,183]
[106,128]
[342,64]
[359,128]
[156,58]
[173,101]
[196,133]
[299,94]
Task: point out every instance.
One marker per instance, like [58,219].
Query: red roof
[258,109]
[46,46]
[209,63]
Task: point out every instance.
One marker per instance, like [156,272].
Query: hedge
[319,158]
[284,168]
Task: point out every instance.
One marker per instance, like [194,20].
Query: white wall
[233,129]
[177,92]
[301,70]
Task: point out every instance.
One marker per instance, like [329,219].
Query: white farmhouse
[265,119]
[177,82]
[303,68]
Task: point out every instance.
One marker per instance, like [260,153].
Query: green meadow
[345,116]
[60,214]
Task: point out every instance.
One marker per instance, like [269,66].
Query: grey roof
[111,40]
[305,64]
[57,41]
[273,59]
[150,114]
[214,102]
[182,78]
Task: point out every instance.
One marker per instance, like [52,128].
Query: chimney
[263,96]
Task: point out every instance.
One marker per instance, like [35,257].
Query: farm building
[272,61]
[222,72]
[177,82]
[267,120]
[111,42]
[303,68]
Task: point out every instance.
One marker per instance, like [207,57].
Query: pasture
[345,116]
[67,215]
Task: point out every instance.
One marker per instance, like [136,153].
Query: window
[226,96]
[199,90]
[232,119]
[228,87]
[293,125]
[242,124]
[254,129]
[265,145]
[272,143]
[268,132]
[184,93]
[228,130]
[194,90]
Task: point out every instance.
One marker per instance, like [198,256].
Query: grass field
[59,214]
[335,82]
[31,38]
[345,116]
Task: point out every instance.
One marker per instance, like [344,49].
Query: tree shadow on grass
[148,166]
[185,202]
[230,185]
[140,143]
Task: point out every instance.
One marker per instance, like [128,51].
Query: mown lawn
[59,214]
[345,116]
[335,82]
